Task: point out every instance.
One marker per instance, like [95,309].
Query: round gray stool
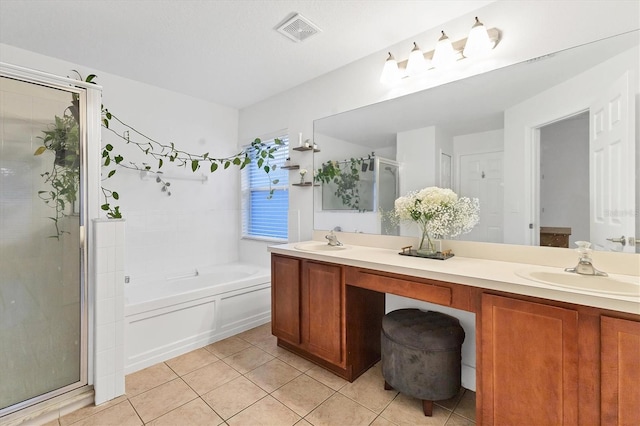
[421,355]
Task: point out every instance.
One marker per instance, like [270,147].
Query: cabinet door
[620,357]
[285,298]
[322,310]
[529,363]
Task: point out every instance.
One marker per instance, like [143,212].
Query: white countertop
[489,274]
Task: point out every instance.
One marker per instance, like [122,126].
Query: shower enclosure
[43,305]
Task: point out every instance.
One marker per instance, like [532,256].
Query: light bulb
[444,55]
[390,72]
[417,64]
[478,43]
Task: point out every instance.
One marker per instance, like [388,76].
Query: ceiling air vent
[298,28]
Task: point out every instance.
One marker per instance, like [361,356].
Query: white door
[481,177]
[612,167]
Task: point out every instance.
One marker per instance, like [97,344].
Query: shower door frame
[90,96]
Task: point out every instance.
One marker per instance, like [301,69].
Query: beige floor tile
[450,403]
[326,377]
[405,410]
[162,399]
[303,422]
[340,410]
[210,376]
[295,361]
[194,413]
[456,420]
[368,390]
[248,359]
[272,375]
[89,410]
[227,347]
[467,405]
[271,346]
[191,361]
[303,394]
[266,342]
[54,422]
[119,414]
[149,378]
[256,334]
[232,397]
[381,421]
[268,412]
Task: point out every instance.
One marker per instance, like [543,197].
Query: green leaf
[205,155]
[227,164]
[275,181]
[107,161]
[111,173]
[194,165]
[119,159]
[260,162]
[108,147]
[105,206]
[266,169]
[40,150]
[236,161]
[115,195]
[214,167]
[160,162]
[105,122]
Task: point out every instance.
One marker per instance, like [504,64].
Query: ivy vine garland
[346,175]
[62,138]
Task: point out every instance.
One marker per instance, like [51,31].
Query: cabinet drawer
[428,292]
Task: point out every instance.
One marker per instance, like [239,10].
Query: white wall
[567,23]
[199,223]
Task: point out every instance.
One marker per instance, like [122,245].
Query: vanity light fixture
[444,56]
[446,53]
[390,72]
[417,63]
[478,43]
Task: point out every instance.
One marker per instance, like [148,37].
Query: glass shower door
[42,320]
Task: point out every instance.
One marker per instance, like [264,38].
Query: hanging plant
[64,178]
[346,176]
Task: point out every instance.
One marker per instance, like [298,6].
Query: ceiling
[223,51]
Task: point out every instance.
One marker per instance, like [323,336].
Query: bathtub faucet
[333,240]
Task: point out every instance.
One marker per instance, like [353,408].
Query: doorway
[563,176]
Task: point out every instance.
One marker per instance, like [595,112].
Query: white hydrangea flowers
[439,211]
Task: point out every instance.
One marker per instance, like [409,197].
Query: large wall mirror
[549,146]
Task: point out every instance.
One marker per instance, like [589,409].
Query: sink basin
[620,285]
[318,246]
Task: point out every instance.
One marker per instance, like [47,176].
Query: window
[263,217]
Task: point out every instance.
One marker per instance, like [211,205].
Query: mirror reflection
[549,147]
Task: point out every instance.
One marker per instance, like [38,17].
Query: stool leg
[387,386]
[427,407]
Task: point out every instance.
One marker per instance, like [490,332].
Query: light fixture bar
[458,46]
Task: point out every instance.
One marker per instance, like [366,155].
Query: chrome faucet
[333,240]
[585,266]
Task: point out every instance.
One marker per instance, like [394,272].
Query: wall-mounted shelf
[304,184]
[304,148]
[291,167]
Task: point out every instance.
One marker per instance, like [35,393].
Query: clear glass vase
[427,245]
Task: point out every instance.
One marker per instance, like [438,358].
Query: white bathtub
[169,316]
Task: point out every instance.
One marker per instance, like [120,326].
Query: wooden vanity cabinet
[620,372]
[529,363]
[315,316]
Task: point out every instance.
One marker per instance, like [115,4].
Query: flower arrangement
[439,212]
[302,173]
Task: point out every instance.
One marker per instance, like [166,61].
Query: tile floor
[248,380]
